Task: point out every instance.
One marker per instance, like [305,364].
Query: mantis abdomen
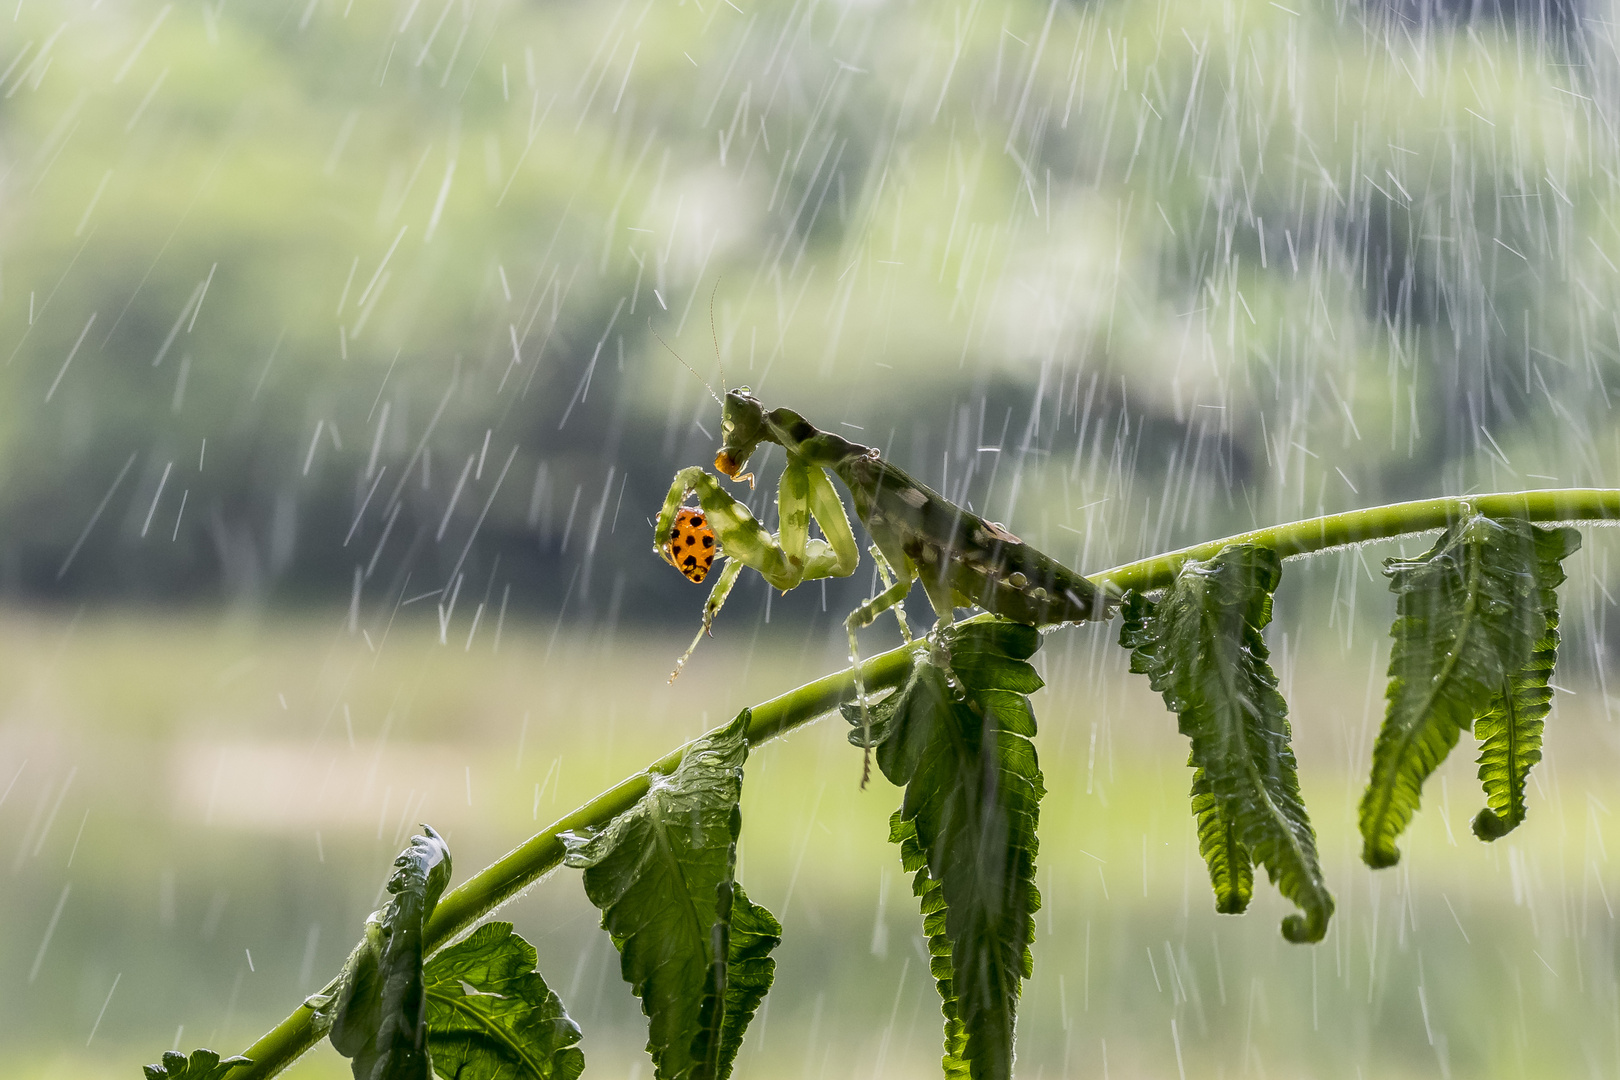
[979,561]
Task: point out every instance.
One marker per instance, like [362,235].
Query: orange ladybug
[690,547]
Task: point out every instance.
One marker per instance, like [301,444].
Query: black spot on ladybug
[689,561]
[708,541]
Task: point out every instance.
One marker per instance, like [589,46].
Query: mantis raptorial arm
[784,560]
[711,608]
[788,558]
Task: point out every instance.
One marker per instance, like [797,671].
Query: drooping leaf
[692,946]
[491,1016]
[377,1014]
[958,738]
[201,1065]
[1510,730]
[1472,616]
[1201,647]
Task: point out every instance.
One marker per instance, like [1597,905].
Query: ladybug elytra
[690,544]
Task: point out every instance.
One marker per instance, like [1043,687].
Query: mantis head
[742,429]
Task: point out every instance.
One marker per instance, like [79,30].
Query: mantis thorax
[745,423]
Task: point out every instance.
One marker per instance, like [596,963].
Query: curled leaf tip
[1303,930]
[1488,825]
[1380,856]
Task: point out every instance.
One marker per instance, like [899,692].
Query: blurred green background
[332,421]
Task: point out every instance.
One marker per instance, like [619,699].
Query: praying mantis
[960,559]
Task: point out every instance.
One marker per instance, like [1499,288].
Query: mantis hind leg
[711,608]
[865,615]
[887,576]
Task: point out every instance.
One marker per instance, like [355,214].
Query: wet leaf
[201,1065]
[692,946]
[1200,646]
[492,1017]
[1510,737]
[1475,636]
[958,739]
[1231,867]
[378,1012]
[753,934]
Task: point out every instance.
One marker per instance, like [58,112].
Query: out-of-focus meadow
[332,422]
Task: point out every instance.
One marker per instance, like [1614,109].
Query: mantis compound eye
[690,544]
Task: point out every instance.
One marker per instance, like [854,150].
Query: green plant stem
[1595,505]
[504,879]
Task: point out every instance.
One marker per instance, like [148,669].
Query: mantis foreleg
[783,560]
[711,608]
[788,558]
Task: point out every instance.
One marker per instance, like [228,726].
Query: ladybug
[690,547]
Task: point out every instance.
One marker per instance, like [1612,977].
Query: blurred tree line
[326,300]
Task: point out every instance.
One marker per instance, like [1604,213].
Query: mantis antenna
[687,366]
[714,335]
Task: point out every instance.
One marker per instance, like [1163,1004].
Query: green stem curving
[1595,505]
[502,880]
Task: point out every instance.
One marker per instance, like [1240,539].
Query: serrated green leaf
[932,901]
[1201,648]
[201,1065]
[1510,740]
[1231,867]
[958,739]
[692,946]
[491,1016]
[1472,614]
[750,936]
[1510,730]
[377,1015]
[993,655]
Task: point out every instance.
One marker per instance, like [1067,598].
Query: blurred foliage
[1179,267]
